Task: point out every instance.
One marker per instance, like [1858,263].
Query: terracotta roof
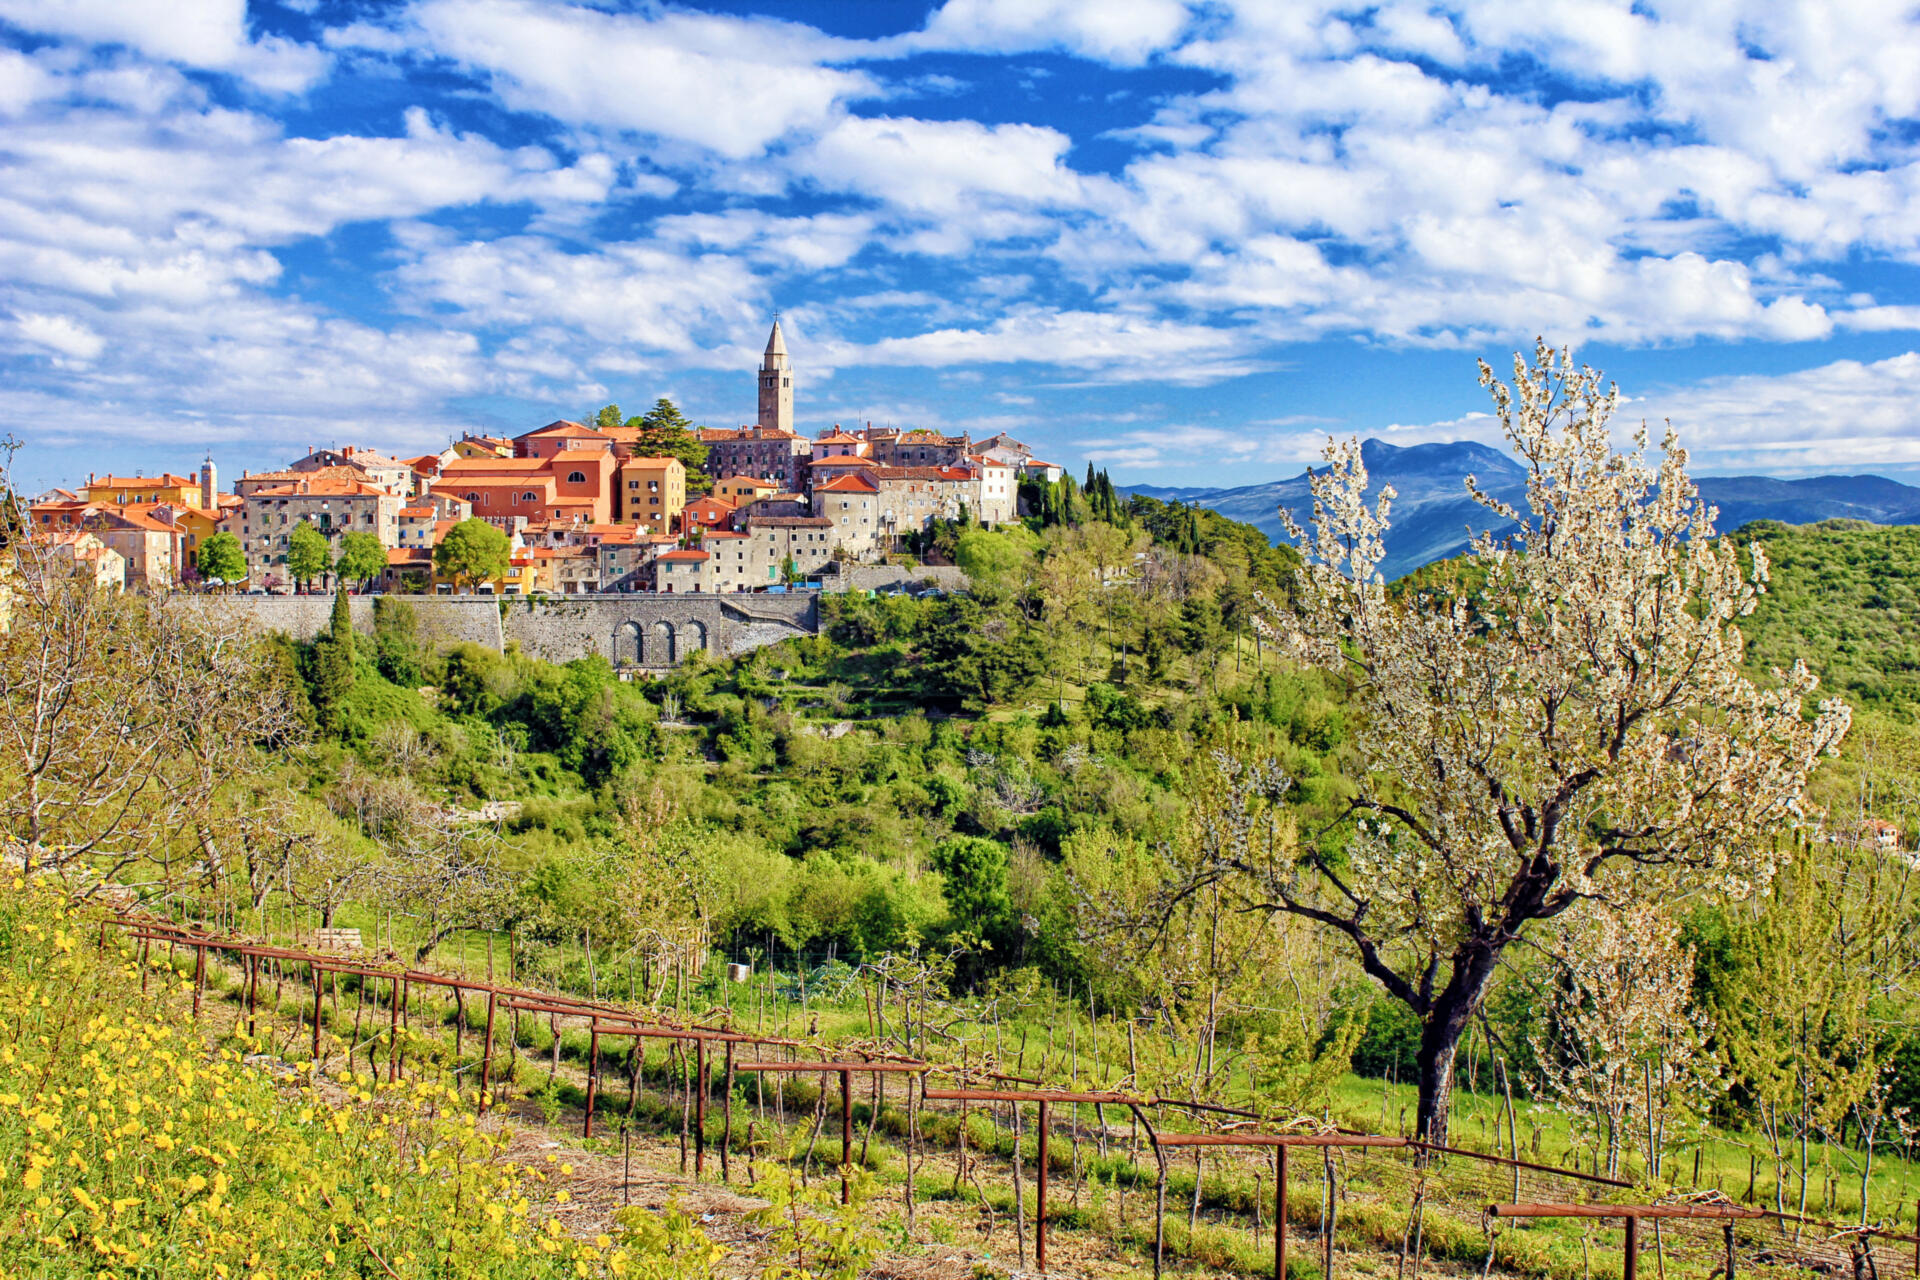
[566,428]
[847,484]
[165,480]
[323,486]
[425,462]
[408,555]
[417,513]
[134,519]
[843,462]
[711,534]
[353,474]
[747,482]
[706,434]
[685,555]
[922,473]
[495,466]
[836,436]
[707,499]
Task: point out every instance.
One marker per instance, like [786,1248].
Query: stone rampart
[637,629]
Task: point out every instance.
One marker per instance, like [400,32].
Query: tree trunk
[1433,1067]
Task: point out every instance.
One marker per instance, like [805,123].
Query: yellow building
[740,490]
[194,524]
[127,491]
[472,446]
[652,492]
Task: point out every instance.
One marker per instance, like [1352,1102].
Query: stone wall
[637,629]
[878,577]
[442,620]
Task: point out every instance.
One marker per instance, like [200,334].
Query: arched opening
[693,638]
[661,651]
[627,644]
[576,477]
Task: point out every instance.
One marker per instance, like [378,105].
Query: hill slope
[1433,518]
[1846,595]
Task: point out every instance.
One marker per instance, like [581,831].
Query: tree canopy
[473,552]
[221,560]
[362,557]
[664,432]
[1580,734]
[308,553]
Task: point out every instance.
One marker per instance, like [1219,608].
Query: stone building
[921,449]
[768,450]
[332,503]
[372,467]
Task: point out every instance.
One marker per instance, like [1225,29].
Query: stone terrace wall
[557,629]
[878,577]
[443,620]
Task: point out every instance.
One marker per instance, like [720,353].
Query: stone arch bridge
[656,632]
[638,630]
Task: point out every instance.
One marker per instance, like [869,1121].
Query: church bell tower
[776,383]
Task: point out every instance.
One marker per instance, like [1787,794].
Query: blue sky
[1186,241]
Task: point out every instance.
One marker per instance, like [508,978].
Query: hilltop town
[573,509]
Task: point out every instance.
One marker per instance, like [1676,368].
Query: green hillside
[1845,595]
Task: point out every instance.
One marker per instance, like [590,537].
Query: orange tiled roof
[461,467]
[847,484]
[319,485]
[567,428]
[165,480]
[686,555]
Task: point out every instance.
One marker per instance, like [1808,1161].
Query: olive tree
[1578,728]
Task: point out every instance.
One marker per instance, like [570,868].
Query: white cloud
[61,334]
[1844,415]
[21,81]
[1126,33]
[208,34]
[725,84]
[813,243]
[621,298]
[1847,414]
[1089,347]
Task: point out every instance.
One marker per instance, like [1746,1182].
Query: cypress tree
[329,664]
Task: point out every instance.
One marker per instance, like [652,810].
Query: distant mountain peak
[1433,517]
[1463,457]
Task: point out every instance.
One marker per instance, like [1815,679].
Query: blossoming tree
[1576,727]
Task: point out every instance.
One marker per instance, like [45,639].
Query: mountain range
[1433,518]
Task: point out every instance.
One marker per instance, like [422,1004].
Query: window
[576,477]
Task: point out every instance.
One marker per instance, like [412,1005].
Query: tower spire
[776,382]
